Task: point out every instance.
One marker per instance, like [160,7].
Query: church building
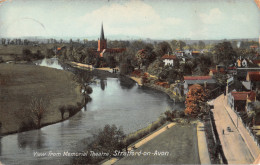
[103,50]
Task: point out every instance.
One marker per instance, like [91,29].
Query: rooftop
[166,56]
[197,77]
[253,76]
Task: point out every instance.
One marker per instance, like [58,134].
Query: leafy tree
[162,48]
[224,53]
[221,79]
[145,56]
[196,100]
[107,140]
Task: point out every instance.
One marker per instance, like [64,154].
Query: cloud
[213,17]
[132,18]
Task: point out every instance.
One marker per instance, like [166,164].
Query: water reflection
[26,141]
[103,84]
[126,83]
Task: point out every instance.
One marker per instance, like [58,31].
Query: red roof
[240,95]
[252,96]
[166,56]
[232,68]
[244,95]
[256,61]
[197,77]
[254,76]
[195,51]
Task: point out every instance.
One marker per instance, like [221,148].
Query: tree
[162,48]
[62,110]
[3,40]
[224,53]
[201,45]
[196,100]
[38,107]
[107,140]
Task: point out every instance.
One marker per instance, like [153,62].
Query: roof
[256,61]
[199,80]
[241,96]
[232,68]
[195,86]
[166,56]
[220,70]
[102,37]
[195,51]
[197,77]
[251,96]
[254,76]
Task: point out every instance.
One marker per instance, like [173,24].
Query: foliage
[107,140]
[126,67]
[220,78]
[196,100]
[145,56]
[224,53]
[156,67]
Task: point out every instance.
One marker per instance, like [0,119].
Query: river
[113,102]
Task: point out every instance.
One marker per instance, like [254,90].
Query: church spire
[102,37]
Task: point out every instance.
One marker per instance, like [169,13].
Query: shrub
[72,110]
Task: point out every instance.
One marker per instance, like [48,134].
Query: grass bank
[20,83]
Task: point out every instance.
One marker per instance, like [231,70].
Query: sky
[154,19]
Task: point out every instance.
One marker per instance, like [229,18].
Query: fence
[250,131]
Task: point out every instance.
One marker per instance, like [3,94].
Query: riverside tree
[38,107]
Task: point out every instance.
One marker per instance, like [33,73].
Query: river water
[113,102]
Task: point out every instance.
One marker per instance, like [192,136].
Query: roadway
[234,146]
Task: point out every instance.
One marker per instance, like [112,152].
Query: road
[234,147]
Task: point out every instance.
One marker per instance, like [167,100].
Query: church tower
[102,42]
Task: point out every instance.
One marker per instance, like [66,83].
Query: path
[202,144]
[234,147]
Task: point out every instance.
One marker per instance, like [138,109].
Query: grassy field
[179,141]
[19,83]
[9,52]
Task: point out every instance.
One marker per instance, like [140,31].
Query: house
[254,79]
[238,101]
[195,53]
[169,59]
[242,63]
[207,81]
[217,70]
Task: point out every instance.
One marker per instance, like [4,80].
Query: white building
[169,59]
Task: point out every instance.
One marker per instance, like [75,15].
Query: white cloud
[132,18]
[213,17]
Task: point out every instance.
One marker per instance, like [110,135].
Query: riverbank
[20,83]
